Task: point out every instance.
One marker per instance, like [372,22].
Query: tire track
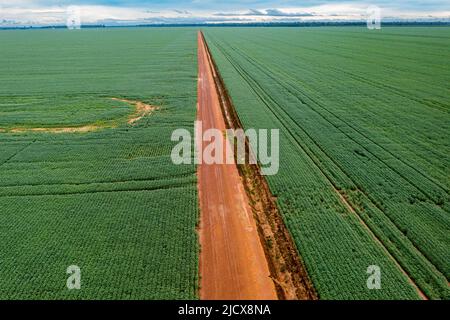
[351,126]
[265,97]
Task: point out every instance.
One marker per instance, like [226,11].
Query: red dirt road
[232,260]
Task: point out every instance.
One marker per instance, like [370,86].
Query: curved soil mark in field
[232,260]
[87,128]
[141,110]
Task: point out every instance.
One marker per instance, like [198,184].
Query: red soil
[232,260]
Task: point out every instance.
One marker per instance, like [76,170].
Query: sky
[131,12]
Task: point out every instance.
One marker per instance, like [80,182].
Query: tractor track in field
[392,89]
[432,180]
[287,271]
[16,153]
[380,243]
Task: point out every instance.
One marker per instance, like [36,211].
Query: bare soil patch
[87,128]
[141,110]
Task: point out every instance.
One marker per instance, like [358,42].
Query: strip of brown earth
[87,128]
[286,267]
[232,259]
[141,110]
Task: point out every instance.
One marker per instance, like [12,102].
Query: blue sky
[51,12]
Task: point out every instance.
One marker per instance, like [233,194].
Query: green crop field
[364,147]
[108,200]
[364,173]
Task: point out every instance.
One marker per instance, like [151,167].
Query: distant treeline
[252,24]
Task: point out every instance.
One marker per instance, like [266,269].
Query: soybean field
[85,172]
[364,148]
[87,180]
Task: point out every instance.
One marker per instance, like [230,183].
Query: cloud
[182,11]
[133,12]
[279,13]
[265,13]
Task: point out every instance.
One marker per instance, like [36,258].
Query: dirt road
[232,261]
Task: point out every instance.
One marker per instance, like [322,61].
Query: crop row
[343,140]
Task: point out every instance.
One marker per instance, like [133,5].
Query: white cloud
[27,12]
